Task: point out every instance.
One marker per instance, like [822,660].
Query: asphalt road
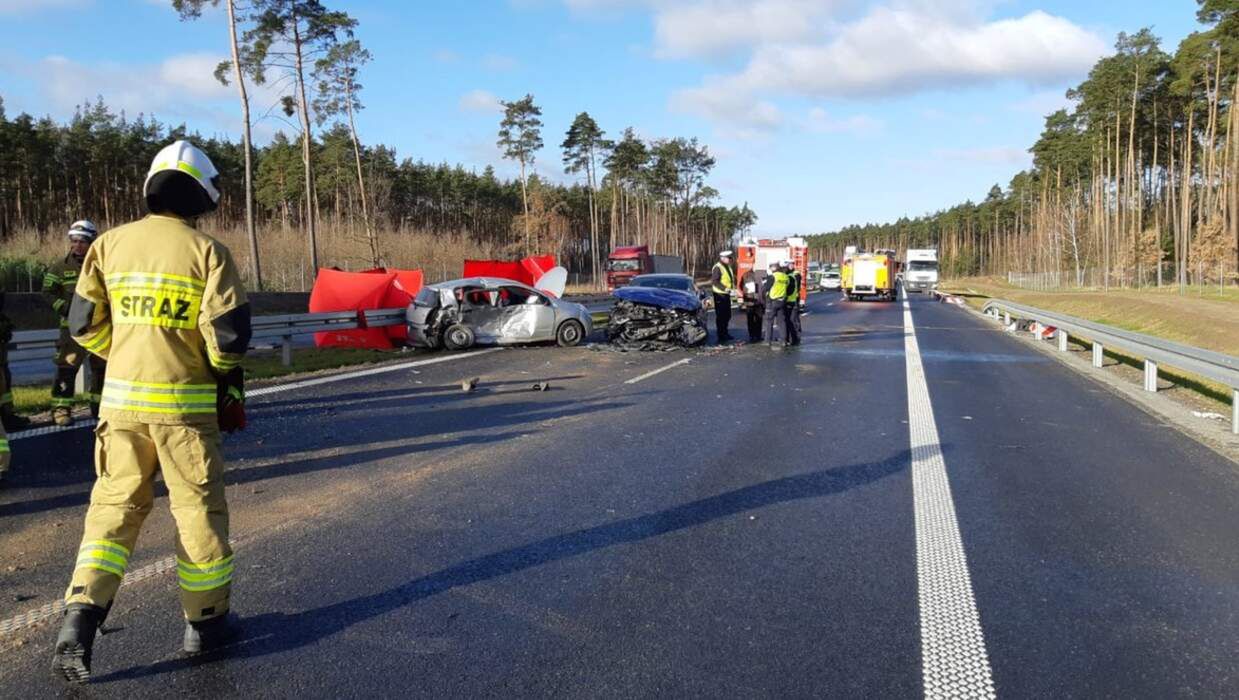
[752,522]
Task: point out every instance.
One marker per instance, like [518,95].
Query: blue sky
[821,113]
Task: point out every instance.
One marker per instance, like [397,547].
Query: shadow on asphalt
[277,632]
[430,421]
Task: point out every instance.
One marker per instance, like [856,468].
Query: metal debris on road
[541,386]
[468,385]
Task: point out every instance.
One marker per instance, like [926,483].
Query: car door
[525,315]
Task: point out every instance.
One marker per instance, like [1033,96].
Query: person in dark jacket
[773,291]
[753,290]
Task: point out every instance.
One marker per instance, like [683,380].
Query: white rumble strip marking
[954,662]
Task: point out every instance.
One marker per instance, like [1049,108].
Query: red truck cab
[626,262]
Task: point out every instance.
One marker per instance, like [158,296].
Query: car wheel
[570,333]
[458,337]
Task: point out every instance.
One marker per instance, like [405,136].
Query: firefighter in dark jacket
[722,281]
[751,288]
[58,284]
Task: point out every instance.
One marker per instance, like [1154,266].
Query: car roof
[663,275]
[481,282]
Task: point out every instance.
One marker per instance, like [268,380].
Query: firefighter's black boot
[71,660]
[208,635]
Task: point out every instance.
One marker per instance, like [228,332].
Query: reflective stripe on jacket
[165,305]
[58,284]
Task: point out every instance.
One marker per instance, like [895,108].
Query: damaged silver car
[490,311]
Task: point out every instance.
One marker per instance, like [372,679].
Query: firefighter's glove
[230,401]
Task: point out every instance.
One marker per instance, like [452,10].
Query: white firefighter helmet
[166,178]
[83,229]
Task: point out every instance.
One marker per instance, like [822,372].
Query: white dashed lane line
[660,370]
[954,661]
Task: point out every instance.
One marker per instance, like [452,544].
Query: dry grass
[284,255]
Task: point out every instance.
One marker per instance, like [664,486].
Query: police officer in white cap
[722,281]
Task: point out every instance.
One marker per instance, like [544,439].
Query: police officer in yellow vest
[791,304]
[776,296]
[722,281]
[58,285]
[165,304]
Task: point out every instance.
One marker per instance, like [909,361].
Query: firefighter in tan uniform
[164,303]
[58,285]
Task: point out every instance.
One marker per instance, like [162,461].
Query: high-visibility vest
[778,290]
[793,287]
[726,283]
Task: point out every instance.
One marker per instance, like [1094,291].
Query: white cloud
[13,7]
[897,51]
[997,155]
[824,49]
[717,104]
[711,28]
[821,121]
[179,88]
[446,56]
[479,101]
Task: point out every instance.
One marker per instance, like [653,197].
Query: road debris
[468,385]
[541,386]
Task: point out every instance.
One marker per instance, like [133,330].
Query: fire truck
[755,254]
[870,274]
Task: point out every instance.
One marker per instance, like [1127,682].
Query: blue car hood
[664,298]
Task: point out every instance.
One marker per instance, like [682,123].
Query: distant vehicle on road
[870,275]
[682,283]
[921,274]
[491,311]
[626,262]
[832,280]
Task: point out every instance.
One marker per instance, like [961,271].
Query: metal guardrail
[38,345]
[1214,366]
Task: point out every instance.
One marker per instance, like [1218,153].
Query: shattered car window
[427,297]
[517,296]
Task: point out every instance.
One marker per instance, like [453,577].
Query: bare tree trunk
[311,202]
[372,236]
[251,228]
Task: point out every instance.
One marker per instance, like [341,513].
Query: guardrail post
[81,383]
[286,351]
[1006,318]
[1234,412]
[1062,340]
[1099,354]
[1150,376]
